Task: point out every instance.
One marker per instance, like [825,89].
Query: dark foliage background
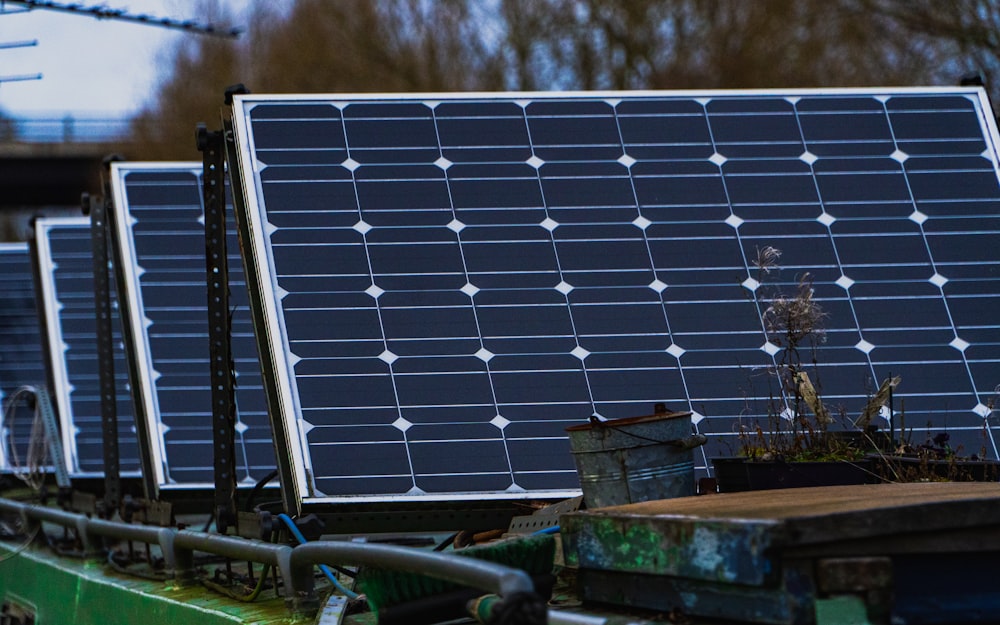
[493,45]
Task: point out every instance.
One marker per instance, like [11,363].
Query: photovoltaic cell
[20,349]
[66,274]
[160,232]
[448,281]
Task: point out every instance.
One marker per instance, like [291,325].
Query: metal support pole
[105,353]
[219,327]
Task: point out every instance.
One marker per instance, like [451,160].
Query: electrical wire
[347,592]
[27,543]
[447,542]
[258,487]
[31,473]
[252,596]
[126,570]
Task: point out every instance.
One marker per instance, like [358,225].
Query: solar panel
[20,347]
[160,233]
[448,281]
[66,276]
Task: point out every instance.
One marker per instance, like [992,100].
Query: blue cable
[548,530]
[294,529]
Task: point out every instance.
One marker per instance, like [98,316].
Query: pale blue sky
[89,66]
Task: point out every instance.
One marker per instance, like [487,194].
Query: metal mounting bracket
[98,210]
[211,145]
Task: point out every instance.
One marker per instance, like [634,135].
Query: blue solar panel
[160,232]
[445,282]
[20,348]
[66,277]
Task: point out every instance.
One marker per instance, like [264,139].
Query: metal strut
[211,145]
[98,209]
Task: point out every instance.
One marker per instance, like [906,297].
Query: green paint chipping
[63,591]
[842,610]
[638,547]
[701,549]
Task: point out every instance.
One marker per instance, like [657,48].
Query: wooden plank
[742,537]
[810,502]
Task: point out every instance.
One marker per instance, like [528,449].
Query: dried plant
[791,321]
[798,419]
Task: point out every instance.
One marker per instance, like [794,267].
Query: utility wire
[103,12]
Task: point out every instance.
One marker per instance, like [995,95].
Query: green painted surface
[64,590]
[842,610]
[702,549]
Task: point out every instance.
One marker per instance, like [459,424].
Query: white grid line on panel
[674,349]
[487,355]
[930,255]
[559,268]
[378,310]
[833,240]
[704,272]
[739,242]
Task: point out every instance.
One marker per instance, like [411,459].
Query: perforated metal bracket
[544,518]
[211,146]
[98,209]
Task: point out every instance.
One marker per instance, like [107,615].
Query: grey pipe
[295,565]
[495,578]
[142,533]
[34,512]
[186,542]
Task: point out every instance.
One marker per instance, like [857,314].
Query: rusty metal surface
[775,556]
[631,460]
[814,515]
[730,552]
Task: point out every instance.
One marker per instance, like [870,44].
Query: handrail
[480,574]
[294,563]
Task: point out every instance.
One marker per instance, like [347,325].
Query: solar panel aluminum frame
[294,463]
[6,467]
[143,356]
[54,343]
[259,262]
[53,337]
[144,395]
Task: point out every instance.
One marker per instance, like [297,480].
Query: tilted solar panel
[160,234]
[66,274]
[20,349]
[447,281]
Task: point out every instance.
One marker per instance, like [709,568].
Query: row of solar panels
[438,285]
[158,232]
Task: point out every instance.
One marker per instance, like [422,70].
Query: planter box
[735,474]
[913,469]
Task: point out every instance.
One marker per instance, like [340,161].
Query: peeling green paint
[86,593]
[700,549]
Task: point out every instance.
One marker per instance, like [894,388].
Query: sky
[90,67]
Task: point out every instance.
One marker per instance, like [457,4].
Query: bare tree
[969,31]
[457,45]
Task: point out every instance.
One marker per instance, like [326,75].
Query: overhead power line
[104,12]
[7,45]
[20,78]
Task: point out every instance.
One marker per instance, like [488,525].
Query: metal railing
[295,564]
[56,128]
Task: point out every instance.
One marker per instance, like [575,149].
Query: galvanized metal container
[636,459]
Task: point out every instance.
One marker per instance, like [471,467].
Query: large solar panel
[66,277]
[20,347]
[160,233]
[448,281]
